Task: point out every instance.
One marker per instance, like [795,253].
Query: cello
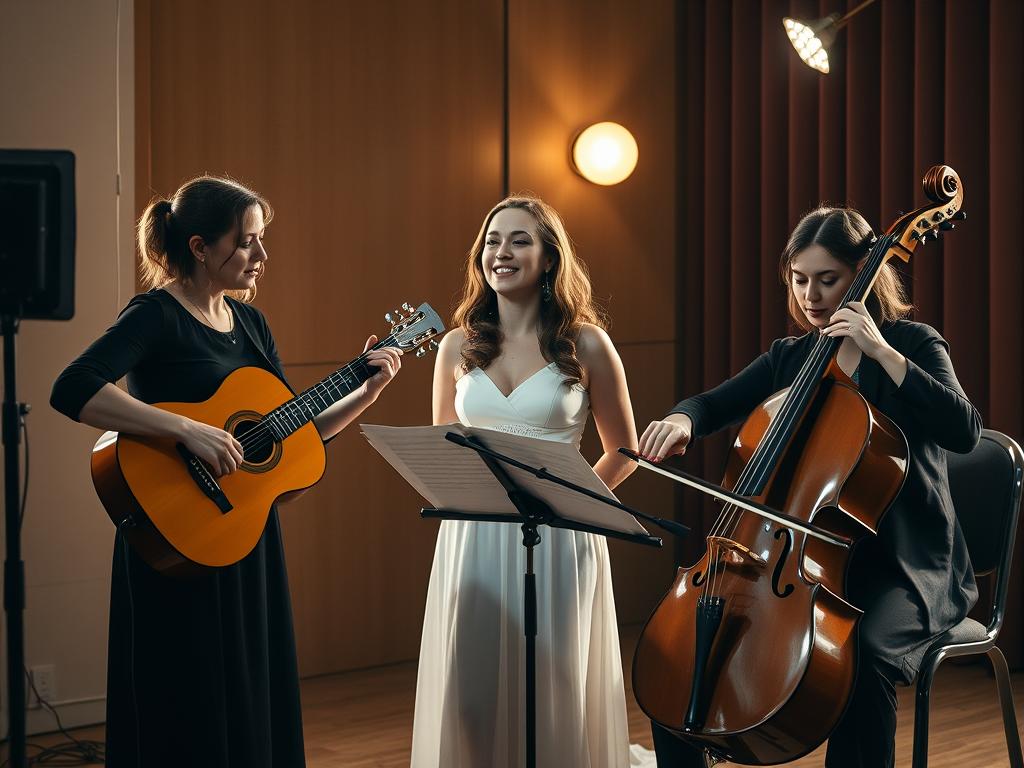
[751,655]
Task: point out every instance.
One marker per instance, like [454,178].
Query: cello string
[768,452]
[807,378]
[809,374]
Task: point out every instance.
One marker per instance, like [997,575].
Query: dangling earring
[546,287]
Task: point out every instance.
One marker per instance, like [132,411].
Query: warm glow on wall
[605,153]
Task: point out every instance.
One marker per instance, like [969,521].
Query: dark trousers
[864,738]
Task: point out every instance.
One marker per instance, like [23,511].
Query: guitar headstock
[413,328]
[946,195]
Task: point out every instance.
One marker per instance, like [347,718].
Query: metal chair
[986,489]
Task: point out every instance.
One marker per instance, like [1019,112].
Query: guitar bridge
[206,482]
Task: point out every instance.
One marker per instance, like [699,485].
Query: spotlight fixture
[604,153]
[812,39]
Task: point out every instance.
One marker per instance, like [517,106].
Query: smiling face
[819,281]
[513,258]
[235,260]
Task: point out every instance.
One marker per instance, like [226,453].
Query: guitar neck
[306,406]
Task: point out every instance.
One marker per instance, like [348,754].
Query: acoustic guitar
[179,517]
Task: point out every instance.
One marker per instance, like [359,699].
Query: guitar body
[163,508]
[183,520]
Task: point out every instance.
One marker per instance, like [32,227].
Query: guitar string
[806,380]
[292,410]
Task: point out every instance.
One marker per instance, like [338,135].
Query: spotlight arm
[846,19]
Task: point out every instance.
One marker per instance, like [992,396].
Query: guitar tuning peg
[406,307]
[400,317]
[433,344]
[960,215]
[389,318]
[947,225]
[420,352]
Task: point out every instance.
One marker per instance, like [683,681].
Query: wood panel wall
[572,64]
[376,131]
[59,82]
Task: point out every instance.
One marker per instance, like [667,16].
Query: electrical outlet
[44,679]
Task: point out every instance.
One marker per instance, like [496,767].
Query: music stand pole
[14,568]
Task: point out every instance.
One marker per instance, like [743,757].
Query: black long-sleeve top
[166,354]
[920,551]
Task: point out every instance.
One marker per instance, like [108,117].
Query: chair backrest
[986,488]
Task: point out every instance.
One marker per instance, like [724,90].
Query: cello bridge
[736,553]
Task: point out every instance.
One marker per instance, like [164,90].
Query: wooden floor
[364,719]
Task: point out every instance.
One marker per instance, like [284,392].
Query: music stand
[534,512]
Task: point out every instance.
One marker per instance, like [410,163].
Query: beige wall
[58,90]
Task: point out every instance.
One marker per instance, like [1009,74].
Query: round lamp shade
[605,153]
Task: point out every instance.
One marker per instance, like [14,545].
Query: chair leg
[921,707]
[995,656]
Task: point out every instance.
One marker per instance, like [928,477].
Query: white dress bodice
[543,406]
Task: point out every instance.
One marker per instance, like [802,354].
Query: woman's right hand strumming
[219,449]
[667,437]
[114,409]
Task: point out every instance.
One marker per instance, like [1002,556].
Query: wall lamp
[604,153]
[812,39]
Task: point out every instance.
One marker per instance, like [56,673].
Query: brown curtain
[765,138]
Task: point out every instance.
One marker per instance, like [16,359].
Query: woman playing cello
[914,580]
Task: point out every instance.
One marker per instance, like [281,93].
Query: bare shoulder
[449,353]
[594,346]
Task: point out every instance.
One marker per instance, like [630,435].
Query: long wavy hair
[208,206]
[561,318]
[847,236]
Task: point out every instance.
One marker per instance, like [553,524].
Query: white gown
[470,689]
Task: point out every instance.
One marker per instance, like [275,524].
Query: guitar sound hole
[259,447]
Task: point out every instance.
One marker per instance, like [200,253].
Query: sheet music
[452,477]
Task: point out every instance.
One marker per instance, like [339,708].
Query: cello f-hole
[787,546]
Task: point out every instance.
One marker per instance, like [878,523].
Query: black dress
[914,580]
[200,673]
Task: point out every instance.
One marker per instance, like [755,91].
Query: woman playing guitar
[914,580]
[200,672]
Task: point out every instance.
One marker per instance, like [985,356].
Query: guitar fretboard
[304,407]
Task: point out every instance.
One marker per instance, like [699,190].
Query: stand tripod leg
[14,568]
